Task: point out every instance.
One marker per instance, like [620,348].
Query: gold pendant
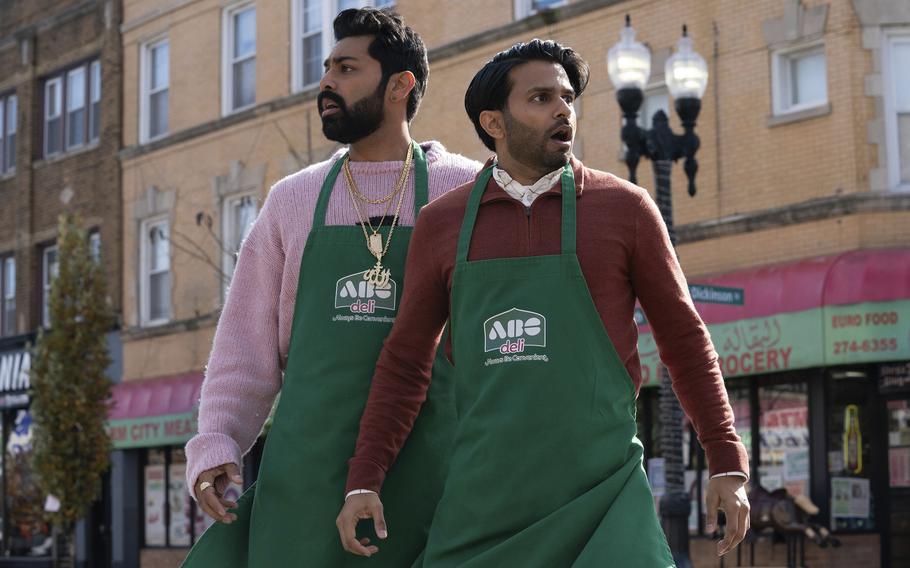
[375,244]
[378,276]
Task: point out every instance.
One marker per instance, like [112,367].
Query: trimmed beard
[354,124]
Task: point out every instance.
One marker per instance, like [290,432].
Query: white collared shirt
[525,193]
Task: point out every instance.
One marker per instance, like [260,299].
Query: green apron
[546,470]
[288,518]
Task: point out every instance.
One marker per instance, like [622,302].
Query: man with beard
[316,288]
[537,265]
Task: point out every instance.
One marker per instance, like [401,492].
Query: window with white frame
[239,214]
[656,98]
[154,87]
[8,118]
[94,122]
[525,8]
[71,104]
[8,295]
[799,79]
[53,116]
[50,267]
[897,107]
[75,108]
[94,245]
[155,272]
[311,28]
[239,57]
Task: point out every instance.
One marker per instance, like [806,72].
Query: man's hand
[211,499]
[357,508]
[728,493]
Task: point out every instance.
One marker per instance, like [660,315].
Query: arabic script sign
[834,335]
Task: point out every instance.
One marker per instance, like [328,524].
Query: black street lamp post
[686,73]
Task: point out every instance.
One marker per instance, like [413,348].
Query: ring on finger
[205,485]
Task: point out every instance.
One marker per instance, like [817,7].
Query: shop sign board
[171,429]
[865,333]
[752,346]
[829,336]
[14,370]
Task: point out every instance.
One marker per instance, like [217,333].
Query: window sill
[154,139]
[151,330]
[66,155]
[799,115]
[8,175]
[229,112]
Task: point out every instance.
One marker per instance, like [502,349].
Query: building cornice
[813,210]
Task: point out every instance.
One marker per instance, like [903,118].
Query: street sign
[716,294]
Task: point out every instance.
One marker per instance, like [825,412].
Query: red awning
[847,278]
[155,397]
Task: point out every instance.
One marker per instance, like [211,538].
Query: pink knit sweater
[244,371]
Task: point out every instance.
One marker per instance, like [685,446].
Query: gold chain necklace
[374,241]
[364,198]
[379,276]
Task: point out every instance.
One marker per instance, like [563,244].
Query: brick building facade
[60,98]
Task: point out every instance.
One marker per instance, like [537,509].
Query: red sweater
[625,253]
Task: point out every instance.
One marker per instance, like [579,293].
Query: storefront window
[849,458]
[27,533]
[155,498]
[172,518]
[899,443]
[784,437]
[696,478]
[742,414]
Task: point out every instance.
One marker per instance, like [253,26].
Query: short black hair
[490,88]
[397,47]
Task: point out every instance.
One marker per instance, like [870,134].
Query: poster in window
[849,497]
[899,466]
[179,501]
[154,505]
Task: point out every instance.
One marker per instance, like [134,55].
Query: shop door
[898,414]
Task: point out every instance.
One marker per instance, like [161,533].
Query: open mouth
[563,135]
[329,108]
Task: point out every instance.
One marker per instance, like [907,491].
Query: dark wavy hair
[490,88]
[397,47]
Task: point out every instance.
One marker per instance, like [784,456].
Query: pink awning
[847,278]
[155,397]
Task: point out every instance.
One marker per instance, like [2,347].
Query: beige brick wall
[167,355]
[195,34]
[864,231]
[443,21]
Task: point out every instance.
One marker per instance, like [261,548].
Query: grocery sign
[827,336]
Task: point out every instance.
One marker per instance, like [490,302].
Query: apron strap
[421,180]
[567,180]
[322,204]
[421,185]
[568,209]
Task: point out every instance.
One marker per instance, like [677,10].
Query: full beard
[529,146]
[362,119]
